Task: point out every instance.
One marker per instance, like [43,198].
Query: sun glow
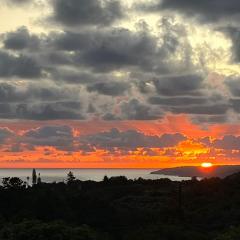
[206,165]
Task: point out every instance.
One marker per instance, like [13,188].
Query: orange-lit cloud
[79,144]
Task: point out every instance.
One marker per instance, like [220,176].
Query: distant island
[193,171]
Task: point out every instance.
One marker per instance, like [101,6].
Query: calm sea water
[52,175]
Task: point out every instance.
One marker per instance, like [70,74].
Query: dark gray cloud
[235,104]
[95,49]
[42,110]
[20,39]
[35,92]
[81,77]
[179,85]
[18,2]
[90,59]
[109,49]
[58,58]
[210,119]
[50,131]
[118,48]
[135,110]
[110,117]
[234,86]
[10,93]
[199,104]
[5,133]
[205,10]
[48,111]
[213,109]
[71,41]
[60,137]
[87,12]
[177,101]
[18,66]
[103,51]
[228,142]
[130,140]
[109,88]
[233,33]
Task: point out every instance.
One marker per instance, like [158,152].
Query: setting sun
[206,164]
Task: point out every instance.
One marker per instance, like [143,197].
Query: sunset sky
[119,84]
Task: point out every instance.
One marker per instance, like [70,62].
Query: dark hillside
[215,171]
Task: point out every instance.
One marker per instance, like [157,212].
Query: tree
[39,180]
[105,179]
[33,229]
[232,234]
[13,182]
[34,177]
[5,182]
[70,177]
[28,179]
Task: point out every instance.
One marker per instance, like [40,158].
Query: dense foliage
[121,209]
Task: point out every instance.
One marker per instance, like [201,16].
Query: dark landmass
[215,171]
[121,209]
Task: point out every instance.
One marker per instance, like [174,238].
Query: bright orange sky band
[188,152]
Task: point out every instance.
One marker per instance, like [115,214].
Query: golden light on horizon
[206,165]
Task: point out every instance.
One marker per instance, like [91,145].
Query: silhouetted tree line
[120,209]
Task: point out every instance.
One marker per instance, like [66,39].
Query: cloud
[109,88]
[130,140]
[78,70]
[18,66]
[60,137]
[118,48]
[10,93]
[5,133]
[86,12]
[235,104]
[20,39]
[41,111]
[36,102]
[111,49]
[114,48]
[82,77]
[177,101]
[72,41]
[190,94]
[18,2]
[227,142]
[135,110]
[214,109]
[102,50]
[206,11]
[49,111]
[50,131]
[210,119]
[233,84]
[179,85]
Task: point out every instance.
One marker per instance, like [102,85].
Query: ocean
[58,175]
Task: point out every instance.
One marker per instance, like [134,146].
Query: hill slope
[215,171]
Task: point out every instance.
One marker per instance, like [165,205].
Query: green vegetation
[121,209]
